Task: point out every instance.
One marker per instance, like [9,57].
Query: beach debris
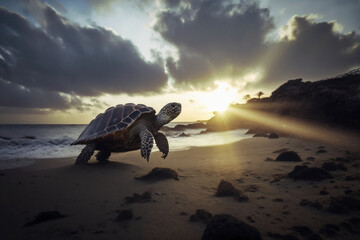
[45,216]
[158,173]
[315,204]
[226,188]
[304,231]
[288,156]
[201,215]
[124,215]
[309,173]
[344,205]
[331,166]
[273,135]
[226,226]
[139,198]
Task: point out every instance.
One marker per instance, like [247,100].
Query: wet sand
[91,198]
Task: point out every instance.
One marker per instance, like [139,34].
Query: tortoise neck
[160,121]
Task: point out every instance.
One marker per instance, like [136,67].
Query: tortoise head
[168,113]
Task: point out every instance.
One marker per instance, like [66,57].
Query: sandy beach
[91,198]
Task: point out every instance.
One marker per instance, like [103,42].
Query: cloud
[62,57]
[214,38]
[312,50]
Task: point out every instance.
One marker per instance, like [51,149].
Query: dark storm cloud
[219,39]
[311,50]
[64,57]
[213,37]
[13,95]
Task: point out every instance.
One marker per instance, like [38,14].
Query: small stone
[125,215]
[329,230]
[306,173]
[331,166]
[45,216]
[139,198]
[344,205]
[201,215]
[158,173]
[273,135]
[302,230]
[288,156]
[321,151]
[226,188]
[225,226]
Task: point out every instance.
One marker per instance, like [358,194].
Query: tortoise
[126,127]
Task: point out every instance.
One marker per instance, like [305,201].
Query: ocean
[21,143]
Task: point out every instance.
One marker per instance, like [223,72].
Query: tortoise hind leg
[103,156]
[85,154]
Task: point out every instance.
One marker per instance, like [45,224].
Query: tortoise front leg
[162,144]
[85,154]
[147,143]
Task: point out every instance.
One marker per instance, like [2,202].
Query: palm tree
[259,94]
[247,97]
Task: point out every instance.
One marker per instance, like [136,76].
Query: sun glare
[219,99]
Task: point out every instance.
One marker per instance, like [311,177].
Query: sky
[63,62]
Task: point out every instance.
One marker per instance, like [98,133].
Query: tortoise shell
[114,119]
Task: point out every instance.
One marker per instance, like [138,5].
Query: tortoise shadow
[108,166]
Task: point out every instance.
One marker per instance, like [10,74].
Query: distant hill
[334,101]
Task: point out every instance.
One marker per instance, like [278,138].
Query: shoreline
[92,196]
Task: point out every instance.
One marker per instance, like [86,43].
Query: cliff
[331,102]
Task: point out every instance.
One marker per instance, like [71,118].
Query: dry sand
[92,196]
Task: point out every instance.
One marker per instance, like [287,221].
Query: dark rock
[317,205]
[302,230]
[260,135]
[45,216]
[324,192]
[329,230]
[310,159]
[225,188]
[201,215]
[348,191]
[314,236]
[331,166]
[278,200]
[225,226]
[183,213]
[289,237]
[139,198]
[125,215]
[160,174]
[273,135]
[352,178]
[183,135]
[269,159]
[306,173]
[321,151]
[344,205]
[288,156]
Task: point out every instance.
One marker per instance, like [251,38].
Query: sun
[219,99]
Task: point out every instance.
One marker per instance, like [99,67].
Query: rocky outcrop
[332,101]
